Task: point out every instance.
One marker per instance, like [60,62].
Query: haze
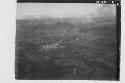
[63,10]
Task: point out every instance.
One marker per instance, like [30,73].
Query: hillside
[54,49]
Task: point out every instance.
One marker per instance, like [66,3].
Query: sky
[61,10]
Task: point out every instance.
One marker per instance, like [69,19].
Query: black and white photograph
[66,41]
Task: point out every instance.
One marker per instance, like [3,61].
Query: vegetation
[83,53]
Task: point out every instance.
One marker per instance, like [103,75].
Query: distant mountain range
[34,28]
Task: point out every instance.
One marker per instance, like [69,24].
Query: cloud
[107,10]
